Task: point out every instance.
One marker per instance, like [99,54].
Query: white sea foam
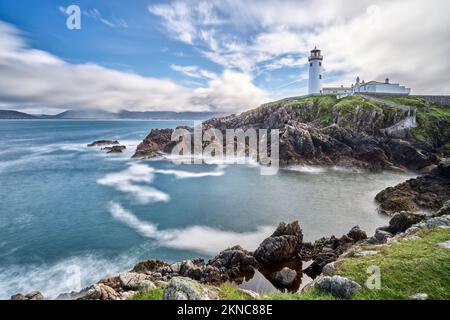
[201,239]
[322,169]
[187,159]
[126,181]
[307,169]
[65,276]
[180,174]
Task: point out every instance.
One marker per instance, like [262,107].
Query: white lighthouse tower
[315,72]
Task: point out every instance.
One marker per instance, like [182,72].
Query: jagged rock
[442,221]
[354,139]
[157,142]
[380,237]
[285,277]
[444,168]
[149,266]
[430,191]
[445,210]
[329,269]
[98,292]
[402,221]
[100,143]
[187,289]
[419,296]
[215,275]
[35,295]
[192,270]
[175,267]
[284,244]
[357,234]
[136,281]
[114,149]
[236,261]
[327,250]
[338,286]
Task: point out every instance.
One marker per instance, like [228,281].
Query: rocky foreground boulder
[187,289]
[338,286]
[284,244]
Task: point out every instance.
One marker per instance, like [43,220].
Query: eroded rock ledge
[428,192]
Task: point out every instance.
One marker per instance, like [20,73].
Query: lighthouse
[315,72]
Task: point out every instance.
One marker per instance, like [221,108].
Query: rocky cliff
[322,131]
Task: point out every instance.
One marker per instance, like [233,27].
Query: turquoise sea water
[70,215]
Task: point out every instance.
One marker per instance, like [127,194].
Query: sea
[71,214]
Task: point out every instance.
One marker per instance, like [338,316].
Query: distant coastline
[104,115]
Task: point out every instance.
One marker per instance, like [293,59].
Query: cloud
[229,91]
[201,239]
[182,19]
[35,79]
[406,40]
[194,72]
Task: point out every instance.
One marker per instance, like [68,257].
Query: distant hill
[10,114]
[100,114]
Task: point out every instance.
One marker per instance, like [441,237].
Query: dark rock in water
[149,266]
[236,261]
[286,277]
[100,143]
[430,192]
[338,286]
[115,149]
[157,142]
[357,234]
[35,295]
[281,276]
[402,221]
[284,244]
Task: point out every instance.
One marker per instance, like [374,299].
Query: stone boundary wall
[443,100]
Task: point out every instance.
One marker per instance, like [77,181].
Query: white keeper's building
[316,79]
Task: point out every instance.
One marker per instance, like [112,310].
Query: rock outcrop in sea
[314,133]
[427,192]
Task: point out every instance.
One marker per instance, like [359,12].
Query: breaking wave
[205,240]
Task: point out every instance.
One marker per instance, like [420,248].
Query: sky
[215,55]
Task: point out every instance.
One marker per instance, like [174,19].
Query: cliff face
[322,131]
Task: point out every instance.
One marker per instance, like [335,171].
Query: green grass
[417,103]
[155,294]
[407,268]
[231,292]
[431,123]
